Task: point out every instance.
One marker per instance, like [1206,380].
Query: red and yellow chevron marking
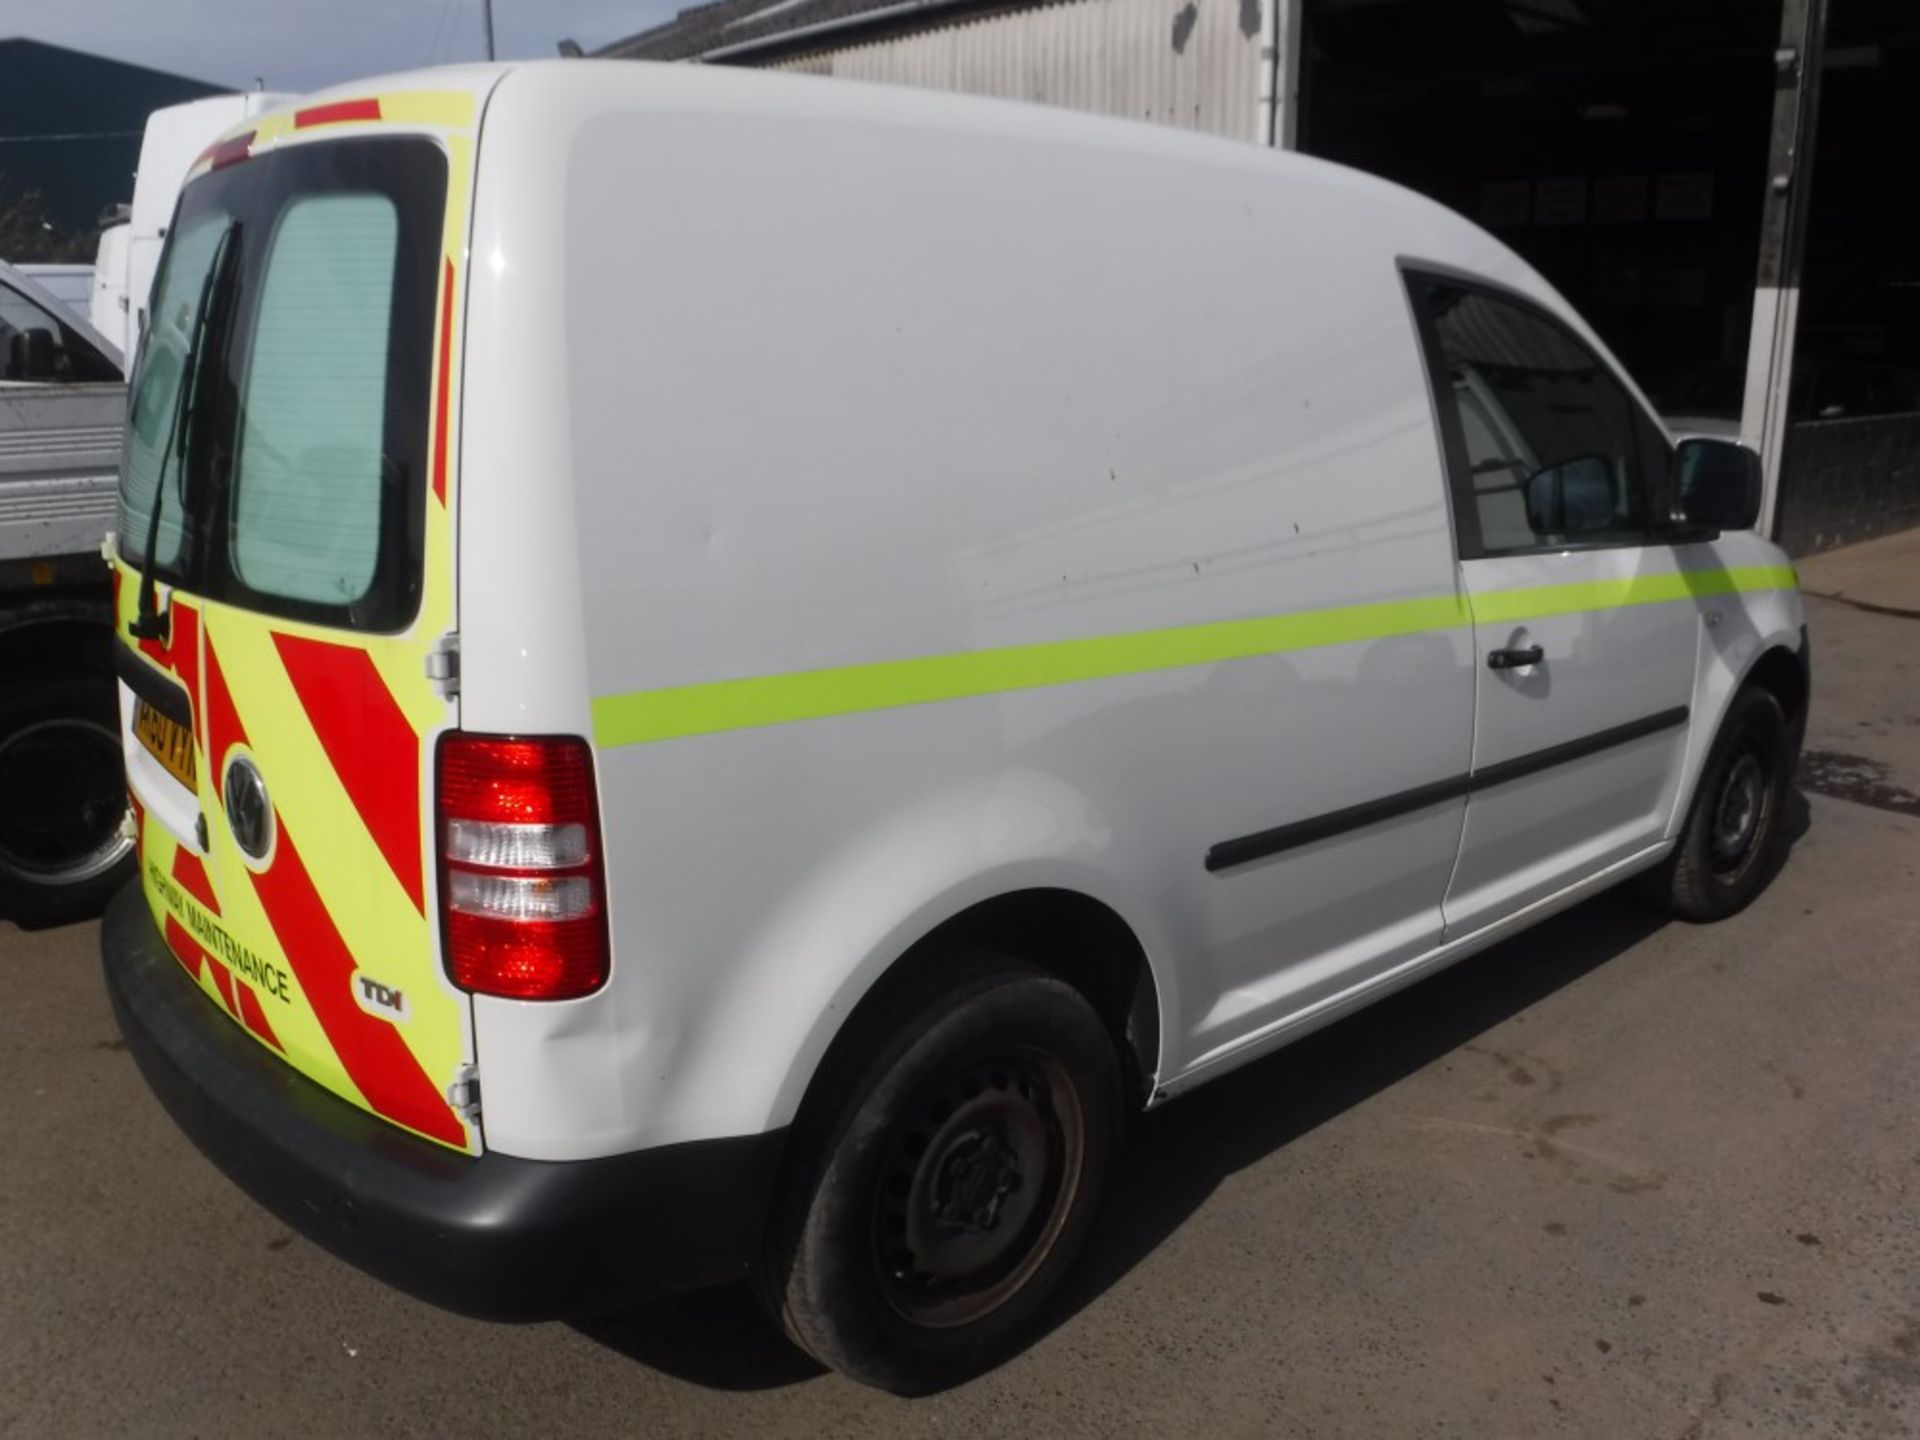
[443,370]
[450,111]
[280,945]
[341,727]
[179,657]
[236,994]
[369,1049]
[373,749]
[340,112]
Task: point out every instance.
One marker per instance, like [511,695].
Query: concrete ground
[1883,574]
[1864,740]
[1614,1178]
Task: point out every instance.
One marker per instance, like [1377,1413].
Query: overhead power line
[72,135]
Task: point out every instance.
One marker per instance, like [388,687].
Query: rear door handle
[1514,659]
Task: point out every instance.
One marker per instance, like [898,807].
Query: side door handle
[1514,659]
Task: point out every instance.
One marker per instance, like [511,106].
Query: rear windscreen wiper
[147,623]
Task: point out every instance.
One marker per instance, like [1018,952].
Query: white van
[726,669]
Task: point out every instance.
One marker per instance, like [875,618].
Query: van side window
[1547,449]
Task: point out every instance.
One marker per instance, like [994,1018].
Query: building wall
[71,126]
[1844,481]
[1188,63]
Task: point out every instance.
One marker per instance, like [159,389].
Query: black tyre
[63,796]
[1733,840]
[948,1181]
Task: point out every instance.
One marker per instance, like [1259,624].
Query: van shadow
[1175,1157]
[720,1339]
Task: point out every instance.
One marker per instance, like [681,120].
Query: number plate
[168,741]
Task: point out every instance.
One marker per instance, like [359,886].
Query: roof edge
[883,19]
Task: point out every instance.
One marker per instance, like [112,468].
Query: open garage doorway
[1621,146]
[1851,468]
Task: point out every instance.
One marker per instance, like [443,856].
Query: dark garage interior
[1622,146]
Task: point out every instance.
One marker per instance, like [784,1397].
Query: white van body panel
[107,295]
[1524,842]
[1736,632]
[769,375]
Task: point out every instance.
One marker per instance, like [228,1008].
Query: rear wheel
[63,797]
[951,1180]
[1733,839]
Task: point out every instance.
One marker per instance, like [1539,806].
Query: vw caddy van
[721,671]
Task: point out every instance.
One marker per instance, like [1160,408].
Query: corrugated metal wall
[1190,63]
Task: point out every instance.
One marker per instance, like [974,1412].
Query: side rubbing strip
[1524,765]
[1264,843]
[1321,827]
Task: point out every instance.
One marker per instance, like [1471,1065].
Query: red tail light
[522,889]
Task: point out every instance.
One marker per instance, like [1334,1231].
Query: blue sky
[305,44]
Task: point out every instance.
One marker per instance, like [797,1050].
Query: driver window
[1557,452]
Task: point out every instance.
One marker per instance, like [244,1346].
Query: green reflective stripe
[647,715]
[776,699]
[1538,601]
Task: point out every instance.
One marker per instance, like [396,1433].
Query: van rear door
[291,416]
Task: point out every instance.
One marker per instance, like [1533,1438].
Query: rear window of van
[281,401]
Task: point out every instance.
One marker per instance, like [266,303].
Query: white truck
[124,264]
[71,285]
[62,404]
[62,409]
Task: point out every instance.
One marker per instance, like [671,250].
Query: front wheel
[937,1208]
[1733,839]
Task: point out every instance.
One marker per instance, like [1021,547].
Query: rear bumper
[494,1236]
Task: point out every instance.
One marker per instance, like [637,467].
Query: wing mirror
[32,355]
[1716,485]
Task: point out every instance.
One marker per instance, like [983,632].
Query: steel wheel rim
[1741,812]
[979,1181]
[34,842]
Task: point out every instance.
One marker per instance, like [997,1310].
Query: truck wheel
[62,851]
[1733,839]
[937,1206]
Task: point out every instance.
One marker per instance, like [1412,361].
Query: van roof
[566,93]
[674,87]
